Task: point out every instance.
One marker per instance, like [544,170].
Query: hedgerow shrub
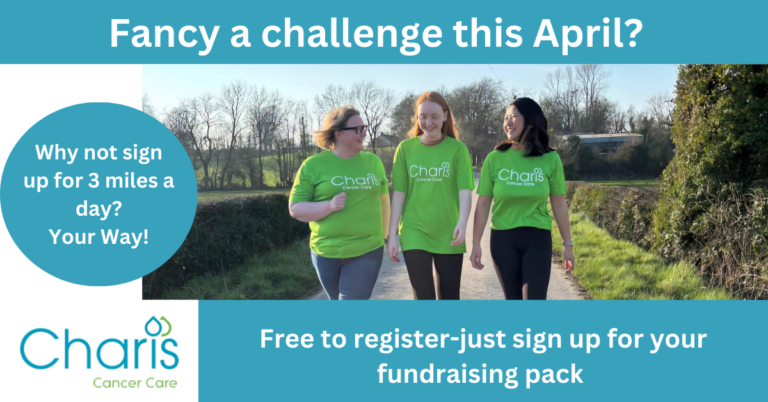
[720,169]
[625,212]
[224,234]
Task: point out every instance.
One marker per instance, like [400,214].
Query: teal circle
[162,213]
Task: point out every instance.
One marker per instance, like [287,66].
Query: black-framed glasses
[358,129]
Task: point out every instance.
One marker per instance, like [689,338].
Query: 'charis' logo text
[168,359]
[513,178]
[355,183]
[422,173]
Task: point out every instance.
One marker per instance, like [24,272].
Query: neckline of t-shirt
[345,159]
[445,138]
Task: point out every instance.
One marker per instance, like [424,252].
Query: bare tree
[182,122]
[233,101]
[332,97]
[403,117]
[266,114]
[285,143]
[306,143]
[561,100]
[662,108]
[593,80]
[619,118]
[375,104]
[208,116]
[146,106]
[479,110]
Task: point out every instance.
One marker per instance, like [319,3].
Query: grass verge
[627,183]
[616,269]
[277,275]
[215,195]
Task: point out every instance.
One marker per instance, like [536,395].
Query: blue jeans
[349,278]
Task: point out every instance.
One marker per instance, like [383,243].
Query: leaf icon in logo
[446,165]
[537,171]
[157,323]
[169,326]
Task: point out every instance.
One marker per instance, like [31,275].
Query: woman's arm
[385,214]
[560,210]
[482,210]
[465,205]
[398,200]
[315,211]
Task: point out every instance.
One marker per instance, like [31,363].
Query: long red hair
[449,125]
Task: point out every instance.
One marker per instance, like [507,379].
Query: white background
[30,298]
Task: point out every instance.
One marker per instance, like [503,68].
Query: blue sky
[166,84]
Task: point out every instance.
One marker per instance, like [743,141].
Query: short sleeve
[383,175]
[303,187]
[557,177]
[464,175]
[399,170]
[485,187]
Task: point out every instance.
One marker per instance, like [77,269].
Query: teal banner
[386,351]
[304,32]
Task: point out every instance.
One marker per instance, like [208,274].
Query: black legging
[523,261]
[448,266]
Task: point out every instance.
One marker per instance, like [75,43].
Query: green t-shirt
[356,229]
[431,177]
[520,187]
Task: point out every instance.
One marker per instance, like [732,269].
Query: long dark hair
[535,139]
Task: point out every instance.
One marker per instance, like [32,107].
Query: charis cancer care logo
[355,183]
[514,178]
[426,173]
[135,353]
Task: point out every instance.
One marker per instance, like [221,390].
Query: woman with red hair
[432,181]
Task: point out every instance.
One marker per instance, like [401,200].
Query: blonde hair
[333,121]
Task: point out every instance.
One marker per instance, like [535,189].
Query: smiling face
[514,124]
[431,118]
[348,139]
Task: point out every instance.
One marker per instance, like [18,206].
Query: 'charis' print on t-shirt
[431,177]
[520,187]
[355,183]
[423,173]
[513,178]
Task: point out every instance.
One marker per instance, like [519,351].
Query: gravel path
[393,282]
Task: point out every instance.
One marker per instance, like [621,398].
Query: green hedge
[715,191]
[224,234]
[625,212]
[732,238]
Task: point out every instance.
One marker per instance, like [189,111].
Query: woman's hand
[459,233]
[476,258]
[569,259]
[393,248]
[338,202]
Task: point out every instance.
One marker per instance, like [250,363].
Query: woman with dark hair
[432,181]
[343,194]
[519,176]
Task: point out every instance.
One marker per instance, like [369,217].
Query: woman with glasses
[432,181]
[519,176]
[343,194]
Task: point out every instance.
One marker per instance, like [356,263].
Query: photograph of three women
[343,193]
[470,182]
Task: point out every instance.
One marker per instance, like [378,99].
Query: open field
[215,195]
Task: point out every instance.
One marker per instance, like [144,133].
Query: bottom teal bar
[455,350]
